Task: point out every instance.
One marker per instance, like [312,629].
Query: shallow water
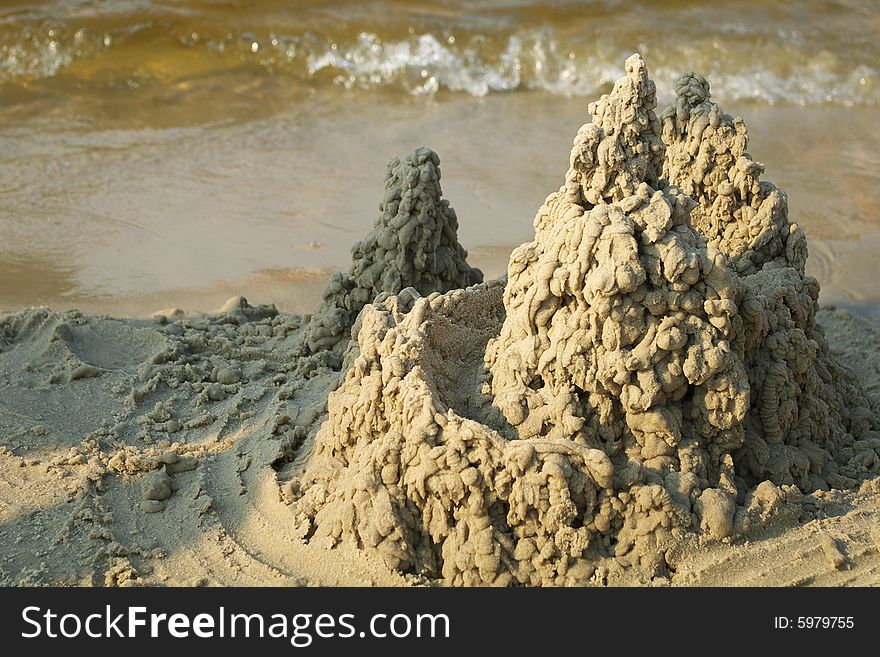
[173,153]
[814,51]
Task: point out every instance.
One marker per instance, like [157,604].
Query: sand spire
[414,243]
[805,411]
[633,380]
[746,218]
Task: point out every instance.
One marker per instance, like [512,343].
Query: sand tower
[650,368]
[414,243]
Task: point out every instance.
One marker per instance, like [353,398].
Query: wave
[433,62]
[425,64]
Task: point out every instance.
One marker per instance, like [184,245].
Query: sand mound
[651,370]
[414,243]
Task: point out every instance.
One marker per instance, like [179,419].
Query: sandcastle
[649,369]
[414,243]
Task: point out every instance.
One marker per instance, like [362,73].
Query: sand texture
[650,395]
[414,243]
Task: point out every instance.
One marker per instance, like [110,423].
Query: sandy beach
[73,472]
[231,355]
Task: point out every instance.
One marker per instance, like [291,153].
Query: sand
[708,425]
[72,491]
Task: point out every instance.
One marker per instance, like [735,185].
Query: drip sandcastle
[645,397]
[649,370]
[413,244]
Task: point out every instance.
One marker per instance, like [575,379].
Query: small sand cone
[414,243]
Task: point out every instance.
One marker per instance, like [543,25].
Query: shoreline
[299,291]
[135,224]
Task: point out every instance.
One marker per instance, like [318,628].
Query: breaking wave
[746,61]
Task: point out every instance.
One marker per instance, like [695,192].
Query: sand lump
[414,243]
[649,370]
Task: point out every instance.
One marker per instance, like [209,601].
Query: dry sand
[470,437]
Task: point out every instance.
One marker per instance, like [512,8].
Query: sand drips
[652,370]
[646,389]
[414,243]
